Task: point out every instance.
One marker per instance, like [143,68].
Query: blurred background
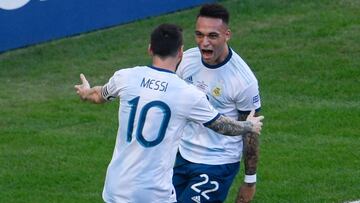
[305,54]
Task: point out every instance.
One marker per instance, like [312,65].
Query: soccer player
[155,105]
[208,162]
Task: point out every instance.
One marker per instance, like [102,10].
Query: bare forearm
[251,153]
[250,150]
[230,127]
[94,95]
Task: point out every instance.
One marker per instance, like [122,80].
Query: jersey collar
[161,69]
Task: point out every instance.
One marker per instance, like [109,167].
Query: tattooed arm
[250,149]
[251,155]
[227,126]
[249,126]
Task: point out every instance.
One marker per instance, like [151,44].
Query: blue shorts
[201,183]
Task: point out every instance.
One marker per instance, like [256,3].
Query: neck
[223,56]
[168,63]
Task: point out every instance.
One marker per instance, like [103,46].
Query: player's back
[155,105]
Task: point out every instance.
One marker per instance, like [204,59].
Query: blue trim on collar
[220,64]
[161,69]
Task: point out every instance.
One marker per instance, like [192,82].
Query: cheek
[217,46]
[198,41]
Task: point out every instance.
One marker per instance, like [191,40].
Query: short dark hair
[214,11]
[166,40]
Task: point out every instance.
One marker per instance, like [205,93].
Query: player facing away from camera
[155,105]
[208,162]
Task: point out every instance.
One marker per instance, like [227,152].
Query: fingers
[245,194]
[257,122]
[258,126]
[252,113]
[83,79]
[80,88]
[85,84]
[258,130]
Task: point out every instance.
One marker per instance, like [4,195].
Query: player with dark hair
[208,162]
[155,105]
[166,40]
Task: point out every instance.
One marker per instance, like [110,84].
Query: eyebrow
[211,33]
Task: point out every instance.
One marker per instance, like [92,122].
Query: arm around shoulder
[227,126]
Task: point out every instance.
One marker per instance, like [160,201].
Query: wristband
[250,178]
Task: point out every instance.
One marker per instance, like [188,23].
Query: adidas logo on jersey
[196,199]
[189,79]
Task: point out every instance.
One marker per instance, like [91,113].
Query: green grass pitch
[306,55]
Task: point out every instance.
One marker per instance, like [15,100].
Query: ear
[150,52]
[227,34]
[180,52]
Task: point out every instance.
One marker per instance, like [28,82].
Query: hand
[82,89]
[246,193]
[256,122]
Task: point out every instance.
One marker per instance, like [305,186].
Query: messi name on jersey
[154,84]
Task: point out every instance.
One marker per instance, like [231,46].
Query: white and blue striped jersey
[155,106]
[231,87]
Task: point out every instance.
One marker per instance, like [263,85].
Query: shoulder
[191,55]
[238,62]
[191,59]
[192,52]
[242,69]
[190,89]
[124,75]
[127,71]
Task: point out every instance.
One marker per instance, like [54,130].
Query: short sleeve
[202,111]
[249,99]
[190,58]
[180,70]
[112,88]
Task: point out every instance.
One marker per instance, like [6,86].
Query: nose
[205,42]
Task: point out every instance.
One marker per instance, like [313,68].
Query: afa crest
[216,91]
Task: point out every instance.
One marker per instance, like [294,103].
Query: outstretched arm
[87,93]
[227,126]
[251,154]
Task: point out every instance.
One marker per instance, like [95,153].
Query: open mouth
[207,53]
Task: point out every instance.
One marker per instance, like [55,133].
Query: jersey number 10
[141,122]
